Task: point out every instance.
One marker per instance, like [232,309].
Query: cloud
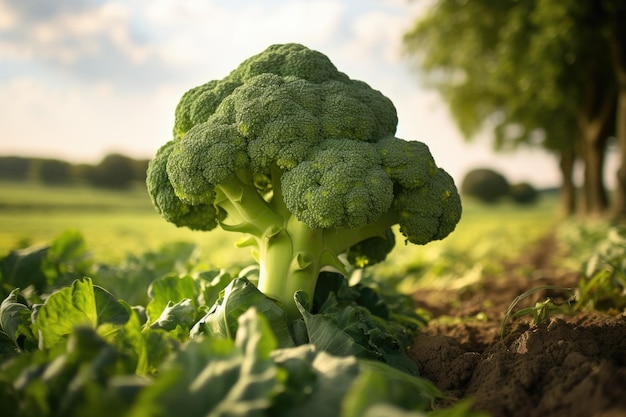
[89,41]
[214,38]
[83,77]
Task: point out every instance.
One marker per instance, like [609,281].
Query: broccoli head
[304,161]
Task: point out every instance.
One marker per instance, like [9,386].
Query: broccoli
[303,160]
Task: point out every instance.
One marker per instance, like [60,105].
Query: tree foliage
[536,72]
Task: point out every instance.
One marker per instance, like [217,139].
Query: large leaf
[80,304]
[216,376]
[22,268]
[344,329]
[15,321]
[108,308]
[176,314]
[326,334]
[67,258]
[317,381]
[170,289]
[234,300]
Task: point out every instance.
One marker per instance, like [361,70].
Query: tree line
[540,73]
[113,171]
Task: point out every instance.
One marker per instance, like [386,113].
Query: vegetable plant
[71,345]
[304,162]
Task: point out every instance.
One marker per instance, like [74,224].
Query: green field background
[117,223]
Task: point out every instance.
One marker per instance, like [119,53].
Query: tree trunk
[595,123]
[619,67]
[595,198]
[619,199]
[568,189]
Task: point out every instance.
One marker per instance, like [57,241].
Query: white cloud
[214,39]
[8,17]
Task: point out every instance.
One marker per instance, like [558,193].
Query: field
[113,223]
[521,312]
[117,223]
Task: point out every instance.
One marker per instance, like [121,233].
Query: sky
[83,78]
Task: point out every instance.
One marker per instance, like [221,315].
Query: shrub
[52,171]
[485,184]
[524,193]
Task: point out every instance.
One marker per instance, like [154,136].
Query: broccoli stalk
[303,161]
[289,252]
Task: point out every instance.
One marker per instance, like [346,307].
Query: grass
[485,236]
[115,223]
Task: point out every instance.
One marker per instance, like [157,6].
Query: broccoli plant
[302,160]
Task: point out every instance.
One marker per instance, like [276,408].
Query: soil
[567,366]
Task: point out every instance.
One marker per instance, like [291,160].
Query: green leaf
[15,321]
[67,258]
[108,308]
[380,387]
[213,282]
[216,376]
[236,299]
[81,304]
[65,309]
[176,314]
[171,288]
[316,381]
[356,320]
[326,334]
[22,268]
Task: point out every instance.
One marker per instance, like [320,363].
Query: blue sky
[81,78]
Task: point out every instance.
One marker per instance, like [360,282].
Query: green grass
[485,236]
[116,223]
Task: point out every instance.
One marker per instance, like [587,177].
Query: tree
[537,72]
[52,171]
[114,171]
[616,36]
[14,167]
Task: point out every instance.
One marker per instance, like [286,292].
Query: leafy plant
[602,282]
[82,351]
[541,311]
[207,340]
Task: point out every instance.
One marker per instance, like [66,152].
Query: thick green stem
[290,260]
[247,211]
[290,253]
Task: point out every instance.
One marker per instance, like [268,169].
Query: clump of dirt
[569,366]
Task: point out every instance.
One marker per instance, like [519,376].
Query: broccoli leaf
[80,304]
[15,321]
[216,376]
[235,299]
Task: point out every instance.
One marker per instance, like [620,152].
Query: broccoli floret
[371,251]
[302,159]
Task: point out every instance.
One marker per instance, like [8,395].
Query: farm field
[116,223]
[484,355]
[113,223]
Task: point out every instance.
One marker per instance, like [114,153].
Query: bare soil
[570,366]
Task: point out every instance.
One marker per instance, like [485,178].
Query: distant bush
[524,193]
[114,171]
[14,167]
[485,184]
[51,171]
